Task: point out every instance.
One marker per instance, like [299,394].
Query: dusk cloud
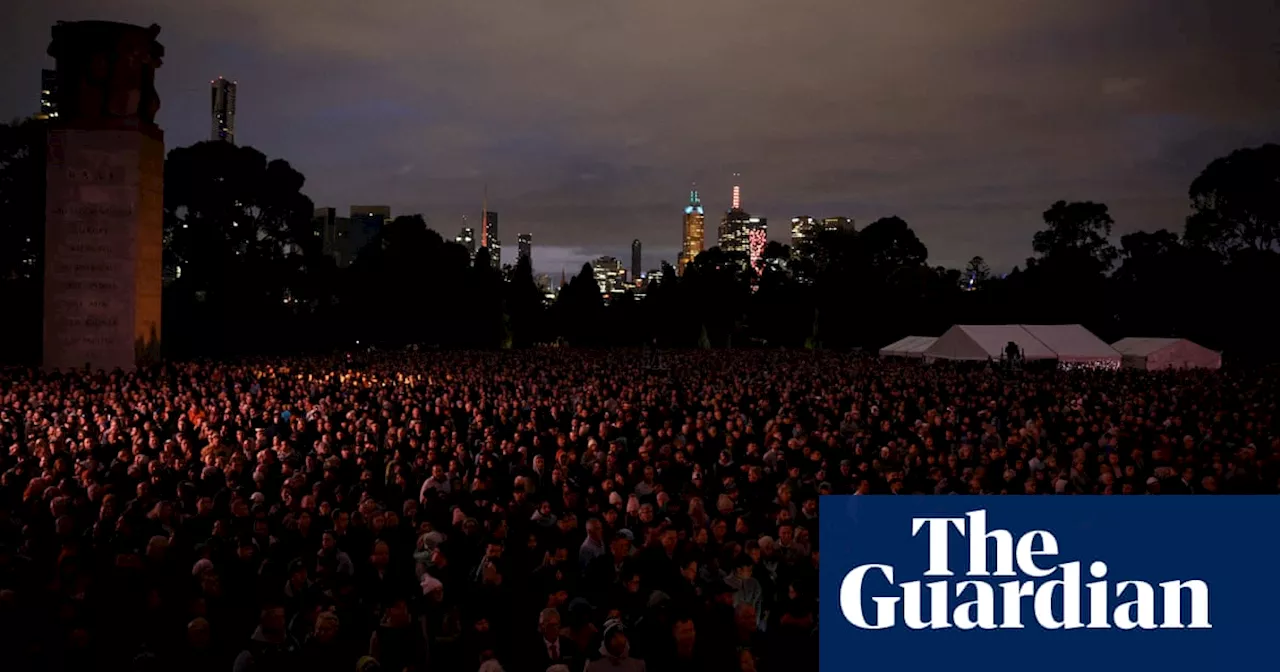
[588,120]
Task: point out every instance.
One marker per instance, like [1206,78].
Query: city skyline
[965,121]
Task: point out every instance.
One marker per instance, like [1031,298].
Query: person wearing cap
[614,654]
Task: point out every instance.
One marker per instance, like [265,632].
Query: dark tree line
[246,273]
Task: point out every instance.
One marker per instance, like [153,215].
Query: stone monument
[104,210]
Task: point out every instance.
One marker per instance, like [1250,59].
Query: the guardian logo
[1038,588]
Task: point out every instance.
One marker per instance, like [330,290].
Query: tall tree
[238,237]
[1236,202]
[889,243]
[22,162]
[22,200]
[1077,233]
[579,307]
[524,304]
[977,272]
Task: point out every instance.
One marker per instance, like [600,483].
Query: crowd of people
[546,510]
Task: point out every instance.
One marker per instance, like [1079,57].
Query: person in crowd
[444,511]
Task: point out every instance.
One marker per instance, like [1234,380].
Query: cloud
[967,119]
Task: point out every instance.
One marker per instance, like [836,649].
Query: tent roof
[909,345]
[1064,342]
[1072,342]
[1142,347]
[987,341]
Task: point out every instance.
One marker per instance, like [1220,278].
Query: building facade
[741,233]
[224,110]
[524,243]
[838,224]
[610,275]
[366,223]
[694,232]
[48,95]
[489,237]
[636,258]
[467,238]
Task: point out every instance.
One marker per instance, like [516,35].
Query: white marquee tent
[1074,344]
[1067,343]
[980,342]
[911,346]
[1153,354]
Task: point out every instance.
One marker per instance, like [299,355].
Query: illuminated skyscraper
[489,231]
[837,224]
[610,276]
[525,245]
[467,238]
[224,110]
[740,232]
[804,232]
[489,238]
[694,230]
[48,95]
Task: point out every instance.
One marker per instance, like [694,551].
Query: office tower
[467,238]
[489,231]
[325,226]
[741,233]
[489,238]
[694,230]
[838,224]
[524,246]
[804,232]
[366,223]
[610,275]
[224,110]
[635,260]
[48,95]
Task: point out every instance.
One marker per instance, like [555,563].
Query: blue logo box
[1058,583]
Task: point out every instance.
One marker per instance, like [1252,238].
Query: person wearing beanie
[615,651]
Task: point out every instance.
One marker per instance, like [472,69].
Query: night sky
[588,119]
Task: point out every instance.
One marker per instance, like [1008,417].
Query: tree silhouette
[246,274]
[238,239]
[1236,202]
[22,200]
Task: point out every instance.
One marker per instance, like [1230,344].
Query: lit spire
[693,195]
[737,193]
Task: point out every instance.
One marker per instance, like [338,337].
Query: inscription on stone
[92,256]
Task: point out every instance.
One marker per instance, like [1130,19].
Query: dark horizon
[588,126]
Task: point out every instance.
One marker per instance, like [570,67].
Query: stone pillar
[104,213]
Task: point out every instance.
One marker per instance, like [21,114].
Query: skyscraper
[740,232]
[489,238]
[524,243]
[694,230]
[467,238]
[224,110]
[837,224]
[48,95]
[610,276]
[635,260]
[489,231]
[335,235]
[366,223]
[804,230]
[325,226]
